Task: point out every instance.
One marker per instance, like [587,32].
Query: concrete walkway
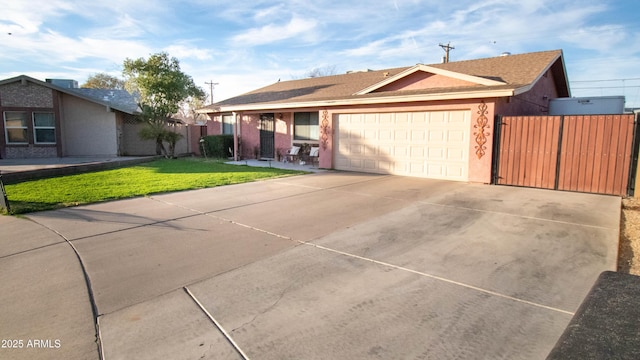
[278,165]
[323,266]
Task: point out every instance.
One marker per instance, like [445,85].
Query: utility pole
[211,84]
[446,49]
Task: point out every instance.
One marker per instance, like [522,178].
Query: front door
[267,140]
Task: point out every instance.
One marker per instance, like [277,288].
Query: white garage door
[431,144]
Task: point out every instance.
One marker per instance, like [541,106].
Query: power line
[603,80]
[607,87]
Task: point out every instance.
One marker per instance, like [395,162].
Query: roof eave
[65,91]
[364,101]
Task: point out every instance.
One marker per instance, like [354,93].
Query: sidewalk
[278,165]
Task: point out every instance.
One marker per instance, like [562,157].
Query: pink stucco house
[433,121]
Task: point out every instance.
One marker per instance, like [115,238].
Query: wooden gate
[586,153]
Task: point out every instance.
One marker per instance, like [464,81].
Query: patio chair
[292,154]
[313,155]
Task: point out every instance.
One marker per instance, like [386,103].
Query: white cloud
[270,12]
[223,40]
[125,27]
[273,32]
[22,17]
[186,51]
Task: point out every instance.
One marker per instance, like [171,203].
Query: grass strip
[155,177]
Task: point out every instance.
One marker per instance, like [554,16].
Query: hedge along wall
[217,146]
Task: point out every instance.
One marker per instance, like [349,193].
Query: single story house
[54,118]
[433,121]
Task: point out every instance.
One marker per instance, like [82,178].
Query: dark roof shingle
[513,70]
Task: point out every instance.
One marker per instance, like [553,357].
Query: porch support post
[235,136]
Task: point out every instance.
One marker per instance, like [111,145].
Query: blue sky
[243,45]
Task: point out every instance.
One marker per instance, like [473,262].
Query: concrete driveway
[323,266]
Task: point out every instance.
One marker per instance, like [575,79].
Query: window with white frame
[44,128]
[16,127]
[305,126]
[227,124]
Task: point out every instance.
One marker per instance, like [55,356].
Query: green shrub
[217,146]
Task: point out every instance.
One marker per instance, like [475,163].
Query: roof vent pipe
[506,53]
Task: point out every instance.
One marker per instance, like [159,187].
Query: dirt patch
[629,251]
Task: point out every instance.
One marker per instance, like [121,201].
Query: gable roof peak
[432,70]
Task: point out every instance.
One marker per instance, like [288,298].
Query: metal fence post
[4,202]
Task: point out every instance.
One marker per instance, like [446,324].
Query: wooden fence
[586,153]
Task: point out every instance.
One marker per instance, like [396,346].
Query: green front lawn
[151,178]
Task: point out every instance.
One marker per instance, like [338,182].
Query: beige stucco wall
[88,129]
[132,145]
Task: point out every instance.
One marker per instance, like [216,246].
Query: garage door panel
[357,149]
[400,167]
[459,117]
[371,134]
[434,170]
[399,151]
[436,153]
[453,171]
[370,151]
[342,163]
[403,119]
[416,167]
[436,135]
[438,117]
[401,135]
[370,118]
[355,119]
[455,136]
[355,164]
[418,136]
[386,119]
[385,134]
[417,152]
[385,166]
[424,144]
[343,153]
[369,164]
[455,155]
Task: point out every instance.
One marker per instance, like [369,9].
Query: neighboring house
[433,121]
[57,119]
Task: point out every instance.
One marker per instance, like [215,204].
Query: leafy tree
[104,81]
[188,107]
[162,87]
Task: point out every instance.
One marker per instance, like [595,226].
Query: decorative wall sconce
[279,116]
